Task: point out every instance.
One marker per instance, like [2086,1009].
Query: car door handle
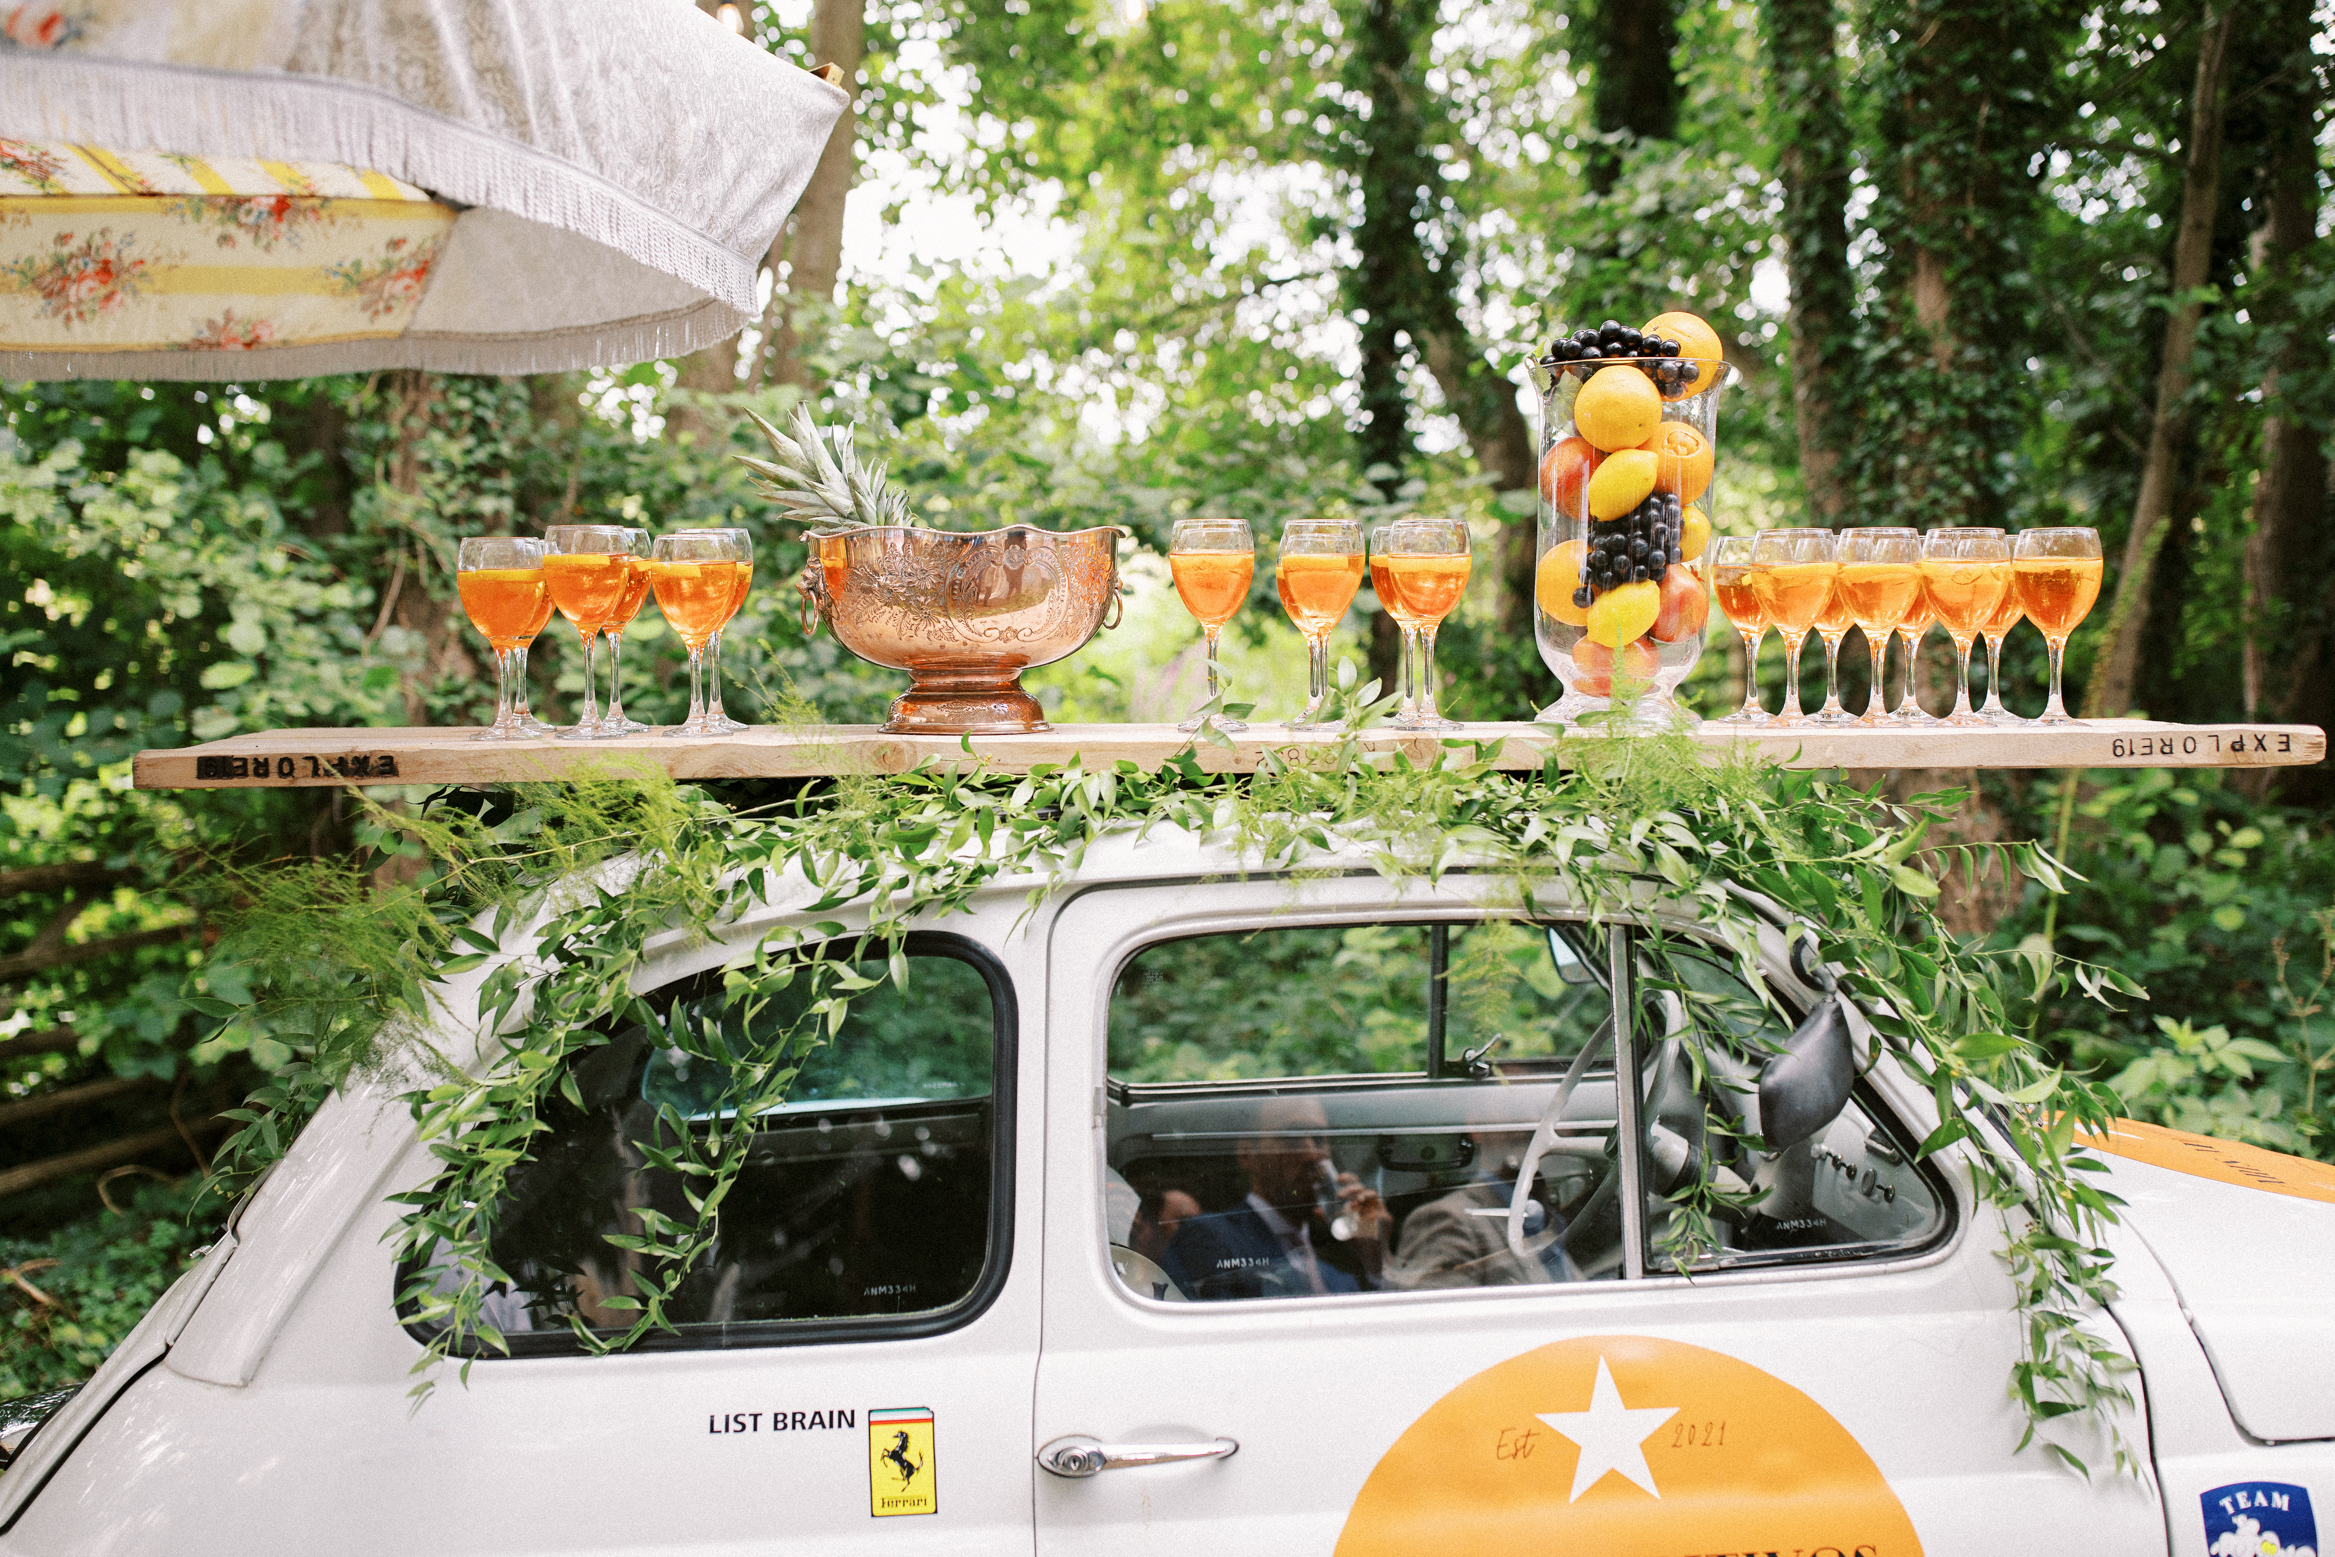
[1078,1456]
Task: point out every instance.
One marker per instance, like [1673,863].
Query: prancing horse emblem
[899,1457]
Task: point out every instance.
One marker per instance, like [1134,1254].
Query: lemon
[1697,342]
[1618,408]
[1624,481]
[1694,533]
[1556,580]
[1623,613]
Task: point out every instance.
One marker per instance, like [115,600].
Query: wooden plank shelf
[300,758]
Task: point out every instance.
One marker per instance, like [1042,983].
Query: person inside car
[1274,1243]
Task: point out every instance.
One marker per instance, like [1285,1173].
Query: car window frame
[1630,1042]
[997,1265]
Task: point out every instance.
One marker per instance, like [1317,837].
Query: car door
[1222,1371]
[851,1370]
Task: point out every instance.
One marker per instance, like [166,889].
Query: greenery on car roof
[1619,829]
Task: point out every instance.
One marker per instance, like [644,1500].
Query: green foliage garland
[597,874]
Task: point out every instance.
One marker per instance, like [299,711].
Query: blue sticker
[2260,1519]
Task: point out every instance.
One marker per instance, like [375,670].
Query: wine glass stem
[1832,674]
[713,678]
[1215,685]
[590,718]
[1913,649]
[1751,703]
[1427,710]
[2055,709]
[696,721]
[1962,709]
[502,691]
[616,678]
[1878,642]
[1994,674]
[1317,678]
[520,712]
[1793,644]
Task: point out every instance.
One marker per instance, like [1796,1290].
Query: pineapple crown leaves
[819,479]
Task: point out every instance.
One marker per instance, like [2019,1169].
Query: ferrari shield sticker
[901,1471]
[1629,1447]
[2260,1519]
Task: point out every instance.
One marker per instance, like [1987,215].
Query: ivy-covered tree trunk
[1813,161]
[2118,671]
[2287,553]
[1634,90]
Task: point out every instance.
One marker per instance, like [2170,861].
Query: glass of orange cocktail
[636,595]
[1212,561]
[1912,629]
[1426,563]
[1317,574]
[2057,575]
[695,579]
[500,580]
[1966,571]
[1731,569]
[1880,578]
[1992,632]
[588,569]
[716,721]
[1794,573]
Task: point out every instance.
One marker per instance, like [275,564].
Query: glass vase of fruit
[1629,437]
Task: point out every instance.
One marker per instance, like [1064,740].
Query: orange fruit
[1618,408]
[1684,460]
[1622,482]
[1556,579]
[1697,342]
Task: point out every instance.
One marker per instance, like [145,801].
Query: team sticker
[2259,1519]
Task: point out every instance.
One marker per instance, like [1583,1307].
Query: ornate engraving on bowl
[963,614]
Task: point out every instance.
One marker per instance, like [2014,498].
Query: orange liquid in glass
[1877,594]
[1965,594]
[2057,592]
[508,605]
[636,594]
[1796,594]
[745,577]
[1212,583]
[588,586]
[1316,588]
[1732,587]
[696,597]
[1428,586]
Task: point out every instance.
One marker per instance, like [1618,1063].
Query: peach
[1565,471]
[1593,667]
[1684,605]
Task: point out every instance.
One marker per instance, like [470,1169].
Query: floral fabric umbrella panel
[156,251]
[258,189]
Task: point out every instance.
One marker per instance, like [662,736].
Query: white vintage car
[1210,1212]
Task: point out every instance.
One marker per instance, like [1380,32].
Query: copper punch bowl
[964,613]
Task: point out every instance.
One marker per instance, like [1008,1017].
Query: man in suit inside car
[1275,1242]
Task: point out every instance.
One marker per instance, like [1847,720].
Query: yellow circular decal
[1626,1446]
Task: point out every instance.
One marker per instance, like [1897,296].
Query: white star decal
[1610,1435]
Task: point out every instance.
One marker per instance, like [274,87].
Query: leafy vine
[566,901]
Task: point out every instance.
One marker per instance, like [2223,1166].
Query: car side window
[1315,1110]
[874,1197]
[1853,1191]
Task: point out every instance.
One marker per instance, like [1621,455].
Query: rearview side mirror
[1804,1088]
[1567,961]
